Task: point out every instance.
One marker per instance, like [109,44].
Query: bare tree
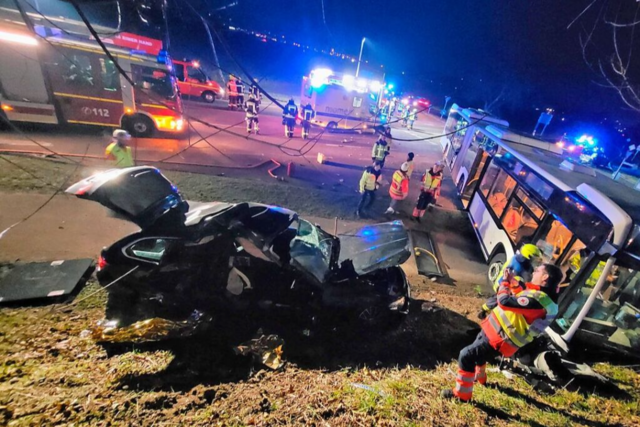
[611,46]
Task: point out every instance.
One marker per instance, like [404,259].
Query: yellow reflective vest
[369,180]
[122,156]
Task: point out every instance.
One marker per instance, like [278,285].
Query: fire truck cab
[192,81]
[51,76]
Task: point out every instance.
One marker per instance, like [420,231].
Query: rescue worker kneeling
[522,312]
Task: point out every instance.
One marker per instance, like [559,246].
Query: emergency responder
[399,189]
[251,114]
[240,87]
[388,138]
[232,90]
[255,91]
[308,114]
[379,151]
[522,312]
[369,184]
[405,115]
[410,157]
[289,114]
[413,116]
[429,190]
[118,152]
[520,266]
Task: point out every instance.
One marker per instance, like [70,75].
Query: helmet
[404,167]
[531,252]
[121,134]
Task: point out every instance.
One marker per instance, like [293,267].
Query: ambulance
[340,100]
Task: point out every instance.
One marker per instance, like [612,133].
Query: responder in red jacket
[399,189]
[521,313]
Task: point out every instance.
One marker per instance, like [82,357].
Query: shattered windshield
[311,249]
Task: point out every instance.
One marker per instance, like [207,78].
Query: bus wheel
[208,97]
[332,126]
[140,126]
[495,267]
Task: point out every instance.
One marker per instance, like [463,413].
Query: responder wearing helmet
[308,114]
[289,114]
[232,91]
[399,189]
[251,114]
[118,151]
[520,266]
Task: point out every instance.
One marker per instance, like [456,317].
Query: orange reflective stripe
[464,385]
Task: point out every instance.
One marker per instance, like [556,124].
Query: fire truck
[48,75]
[192,81]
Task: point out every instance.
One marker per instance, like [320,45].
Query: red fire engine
[49,76]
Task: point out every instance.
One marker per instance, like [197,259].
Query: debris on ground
[265,349]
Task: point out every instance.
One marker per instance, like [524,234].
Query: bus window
[555,242]
[499,194]
[573,261]
[153,81]
[109,75]
[535,208]
[614,318]
[77,71]
[517,222]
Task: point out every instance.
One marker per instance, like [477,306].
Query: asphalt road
[232,153]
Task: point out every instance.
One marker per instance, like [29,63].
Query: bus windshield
[154,81]
[614,317]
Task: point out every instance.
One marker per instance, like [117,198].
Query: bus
[518,189]
[52,76]
[340,100]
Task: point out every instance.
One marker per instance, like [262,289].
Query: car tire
[208,97]
[495,266]
[332,127]
[140,126]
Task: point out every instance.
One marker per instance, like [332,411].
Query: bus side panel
[488,232]
[22,85]
[86,87]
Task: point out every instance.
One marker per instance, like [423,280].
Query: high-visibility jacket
[122,155]
[290,111]
[399,189]
[307,113]
[595,275]
[251,108]
[431,181]
[518,318]
[370,179]
[413,115]
[379,151]
[232,88]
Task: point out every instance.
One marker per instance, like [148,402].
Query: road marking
[46,144]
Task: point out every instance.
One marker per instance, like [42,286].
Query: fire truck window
[109,74]
[196,73]
[614,317]
[153,81]
[78,71]
[180,72]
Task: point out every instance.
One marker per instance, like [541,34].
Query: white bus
[519,189]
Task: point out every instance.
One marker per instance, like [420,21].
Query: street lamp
[360,57]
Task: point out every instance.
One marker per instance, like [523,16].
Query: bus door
[86,87]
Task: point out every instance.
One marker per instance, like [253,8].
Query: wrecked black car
[193,262]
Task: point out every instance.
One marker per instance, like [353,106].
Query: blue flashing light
[390,86]
[587,140]
[163,57]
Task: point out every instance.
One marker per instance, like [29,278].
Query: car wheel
[208,97]
[140,126]
[495,267]
[332,126]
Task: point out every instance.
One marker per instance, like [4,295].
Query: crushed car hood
[374,247]
[141,194]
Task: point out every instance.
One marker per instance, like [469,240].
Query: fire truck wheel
[208,97]
[332,126]
[140,126]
